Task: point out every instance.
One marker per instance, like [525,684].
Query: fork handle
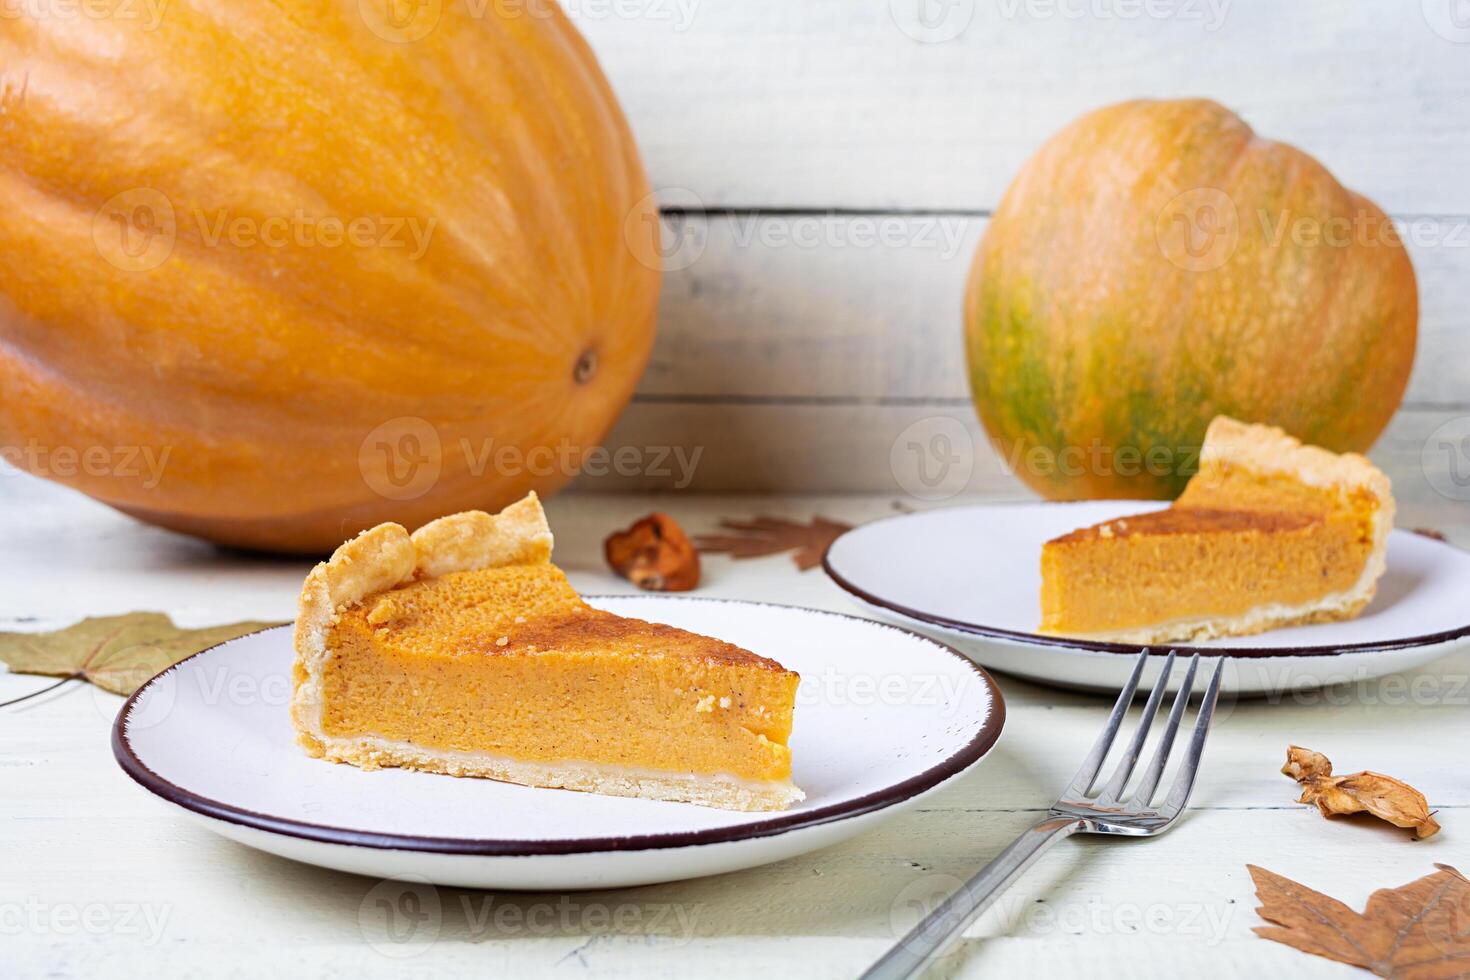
[929,940]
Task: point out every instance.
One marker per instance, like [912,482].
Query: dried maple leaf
[763,536]
[117,653]
[654,554]
[1420,931]
[1363,792]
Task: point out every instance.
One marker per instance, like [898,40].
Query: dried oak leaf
[1363,792]
[1420,931]
[117,653]
[763,536]
[654,554]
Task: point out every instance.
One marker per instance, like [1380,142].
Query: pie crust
[387,557]
[1241,467]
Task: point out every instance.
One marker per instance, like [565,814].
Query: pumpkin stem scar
[586,368]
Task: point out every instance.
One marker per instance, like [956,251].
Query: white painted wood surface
[99,879]
[783,307]
[836,103]
[830,172]
[829,167]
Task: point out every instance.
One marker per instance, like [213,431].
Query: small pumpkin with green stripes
[1157,264]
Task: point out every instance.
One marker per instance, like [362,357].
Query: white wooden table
[99,879]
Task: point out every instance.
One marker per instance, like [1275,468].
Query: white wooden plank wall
[827,167]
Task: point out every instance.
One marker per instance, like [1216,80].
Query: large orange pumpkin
[1157,264]
[275,272]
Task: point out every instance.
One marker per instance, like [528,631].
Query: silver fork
[1113,811]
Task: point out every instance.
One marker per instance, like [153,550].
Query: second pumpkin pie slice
[1269,533]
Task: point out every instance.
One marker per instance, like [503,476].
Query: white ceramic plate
[972,577]
[883,716]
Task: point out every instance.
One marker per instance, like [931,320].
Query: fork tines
[1114,794]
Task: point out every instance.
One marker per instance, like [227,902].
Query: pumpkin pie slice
[462,649]
[1269,533]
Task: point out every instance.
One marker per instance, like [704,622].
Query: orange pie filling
[462,650]
[1269,533]
[1170,566]
[510,662]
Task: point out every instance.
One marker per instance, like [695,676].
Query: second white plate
[972,577]
[883,717]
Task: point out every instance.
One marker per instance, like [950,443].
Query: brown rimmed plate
[971,576]
[884,716]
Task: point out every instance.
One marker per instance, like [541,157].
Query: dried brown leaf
[1420,931]
[1302,763]
[654,554]
[117,653]
[762,536]
[1382,796]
